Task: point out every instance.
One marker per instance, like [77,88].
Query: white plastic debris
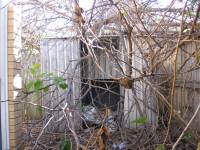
[111,124]
[120,146]
[91,115]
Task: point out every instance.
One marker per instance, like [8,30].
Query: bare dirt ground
[146,138]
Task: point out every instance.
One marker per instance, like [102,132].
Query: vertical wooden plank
[76,65]
[52,56]
[77,79]
[128,111]
[43,48]
[103,58]
[103,63]
[107,66]
[60,57]
[198,100]
[44,57]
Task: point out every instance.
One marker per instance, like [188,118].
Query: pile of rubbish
[103,119]
[97,118]
[91,116]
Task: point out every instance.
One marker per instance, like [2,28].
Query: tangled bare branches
[141,57]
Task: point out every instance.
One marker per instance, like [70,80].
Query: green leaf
[63,86]
[189,13]
[34,69]
[42,75]
[187,137]
[160,147]
[50,74]
[36,66]
[60,82]
[46,89]
[29,86]
[141,121]
[66,144]
[38,84]
[39,109]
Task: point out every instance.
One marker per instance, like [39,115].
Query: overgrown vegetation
[150,49]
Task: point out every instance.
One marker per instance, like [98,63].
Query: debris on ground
[147,138]
[91,115]
[119,146]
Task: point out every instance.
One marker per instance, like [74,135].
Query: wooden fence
[187,92]
[30,111]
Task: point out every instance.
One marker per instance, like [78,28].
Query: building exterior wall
[14,78]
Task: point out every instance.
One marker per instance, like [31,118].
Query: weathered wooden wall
[140,101]
[187,92]
[186,98]
[62,58]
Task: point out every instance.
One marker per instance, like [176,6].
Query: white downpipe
[4,77]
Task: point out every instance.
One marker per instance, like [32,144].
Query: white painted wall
[4,75]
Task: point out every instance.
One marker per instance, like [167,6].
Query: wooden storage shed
[60,55]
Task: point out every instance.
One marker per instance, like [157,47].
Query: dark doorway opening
[101,93]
